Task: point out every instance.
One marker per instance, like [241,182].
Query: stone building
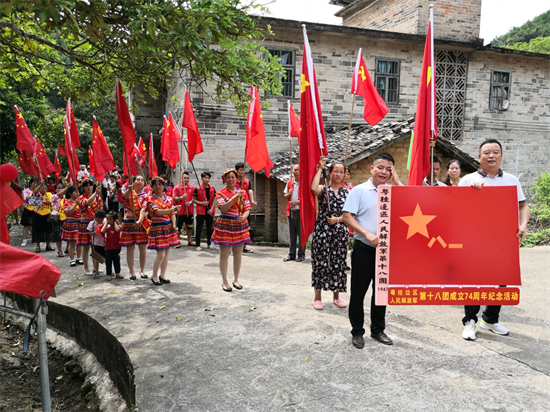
[482,91]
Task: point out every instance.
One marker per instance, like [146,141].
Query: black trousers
[295,235]
[209,229]
[363,270]
[112,257]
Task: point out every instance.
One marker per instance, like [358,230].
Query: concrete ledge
[93,337]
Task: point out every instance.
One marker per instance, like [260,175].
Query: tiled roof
[364,141]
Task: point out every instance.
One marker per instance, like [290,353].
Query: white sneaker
[24,243]
[470,329]
[494,327]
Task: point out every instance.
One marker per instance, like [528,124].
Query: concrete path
[198,348]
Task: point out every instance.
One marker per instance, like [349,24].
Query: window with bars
[500,90]
[386,80]
[287,60]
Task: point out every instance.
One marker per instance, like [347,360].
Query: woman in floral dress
[330,236]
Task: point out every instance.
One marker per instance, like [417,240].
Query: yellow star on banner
[418,222]
[429,76]
[362,73]
[20,115]
[305,83]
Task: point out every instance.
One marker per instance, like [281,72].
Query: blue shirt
[362,202]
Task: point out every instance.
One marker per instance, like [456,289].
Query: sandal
[133,278]
[300,259]
[198,249]
[96,275]
[110,277]
[37,250]
[143,276]
[119,276]
[60,254]
[191,243]
[49,249]
[228,289]
[238,287]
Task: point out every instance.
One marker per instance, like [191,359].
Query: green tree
[77,48]
[538,27]
[537,45]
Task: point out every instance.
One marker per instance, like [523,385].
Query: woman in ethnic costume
[133,233]
[330,236]
[71,224]
[231,227]
[58,199]
[163,232]
[89,203]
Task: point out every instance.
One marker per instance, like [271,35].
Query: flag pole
[349,132]
[192,165]
[131,194]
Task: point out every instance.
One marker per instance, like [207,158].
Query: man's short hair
[489,141]
[185,173]
[437,159]
[385,156]
[239,166]
[204,174]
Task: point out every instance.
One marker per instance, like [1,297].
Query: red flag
[361,84]
[131,158]
[124,120]
[194,142]
[27,163]
[10,201]
[103,159]
[313,144]
[69,151]
[256,147]
[153,172]
[91,161]
[142,153]
[44,162]
[25,141]
[57,165]
[293,123]
[75,139]
[425,124]
[169,147]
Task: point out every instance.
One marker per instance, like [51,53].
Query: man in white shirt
[291,193]
[436,168]
[489,174]
[361,215]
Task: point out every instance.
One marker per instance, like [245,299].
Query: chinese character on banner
[438,246]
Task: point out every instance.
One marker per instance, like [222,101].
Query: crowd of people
[102,217]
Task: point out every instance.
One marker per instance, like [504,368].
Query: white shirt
[362,201]
[502,179]
[294,195]
[437,183]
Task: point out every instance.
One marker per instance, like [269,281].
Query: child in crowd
[98,240]
[111,231]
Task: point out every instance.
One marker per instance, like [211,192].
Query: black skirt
[26,217]
[41,228]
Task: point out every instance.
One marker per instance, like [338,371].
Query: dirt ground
[20,377]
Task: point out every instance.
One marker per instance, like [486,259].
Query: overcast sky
[497,16]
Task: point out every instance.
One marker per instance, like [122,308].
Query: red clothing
[200,193]
[87,213]
[169,191]
[67,205]
[112,238]
[246,184]
[179,191]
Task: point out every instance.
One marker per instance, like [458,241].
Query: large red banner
[447,239]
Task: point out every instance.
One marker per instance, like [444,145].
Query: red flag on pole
[293,123]
[46,166]
[27,163]
[153,172]
[91,161]
[169,147]
[103,159]
[313,144]
[75,139]
[361,84]
[256,147]
[57,165]
[142,153]
[69,151]
[25,141]
[425,124]
[130,157]
[194,142]
[124,120]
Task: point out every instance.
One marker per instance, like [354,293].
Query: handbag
[53,218]
[97,257]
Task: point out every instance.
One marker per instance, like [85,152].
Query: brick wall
[453,19]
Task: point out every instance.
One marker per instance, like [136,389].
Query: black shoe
[247,250]
[382,338]
[288,259]
[238,287]
[143,276]
[358,341]
[227,290]
[164,280]
[155,283]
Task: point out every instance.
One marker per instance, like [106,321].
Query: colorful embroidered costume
[227,231]
[161,233]
[70,225]
[87,214]
[130,235]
